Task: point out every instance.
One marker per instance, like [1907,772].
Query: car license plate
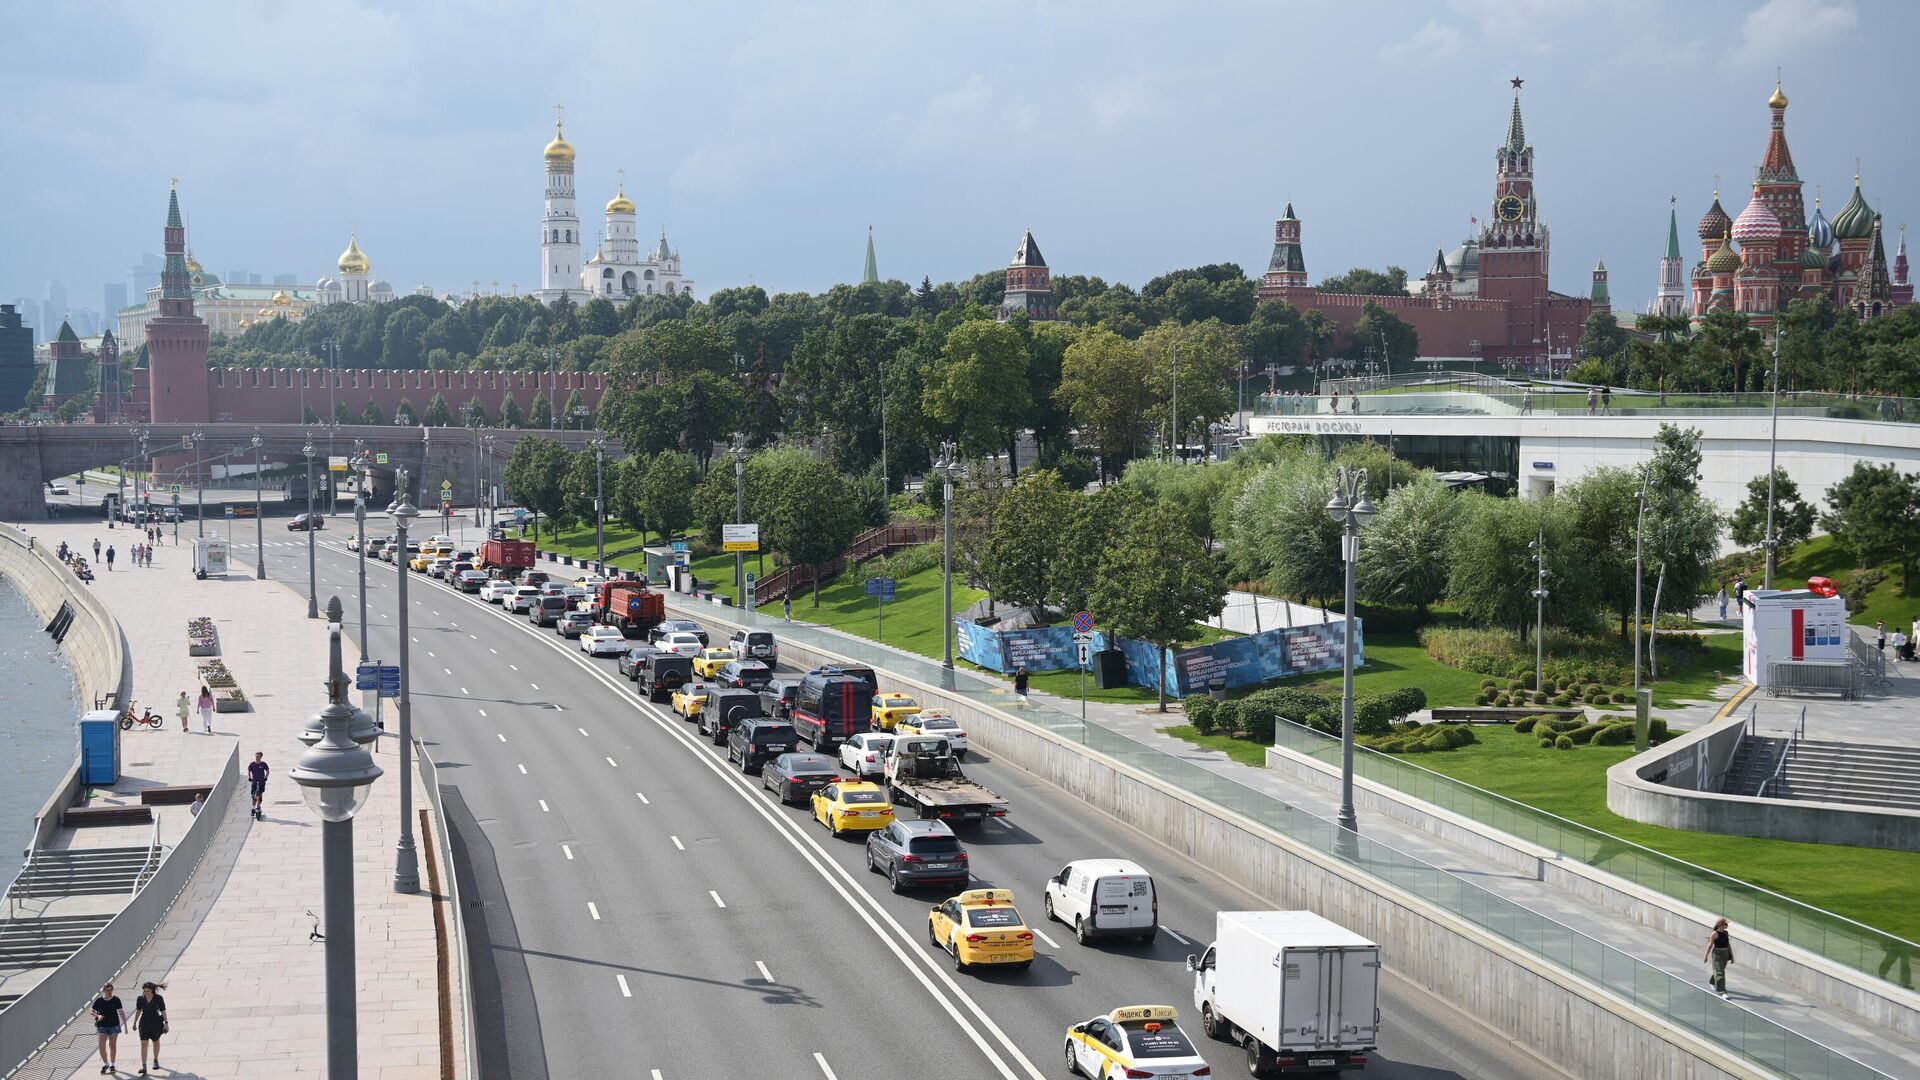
[1321,1063]
[1003,958]
[776,747]
[1119,910]
[939,866]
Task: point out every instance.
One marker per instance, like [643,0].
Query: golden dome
[193,264]
[559,151]
[352,260]
[1779,98]
[620,204]
[281,299]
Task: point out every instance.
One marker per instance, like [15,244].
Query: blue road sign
[679,546]
[229,512]
[382,677]
[881,587]
[1083,622]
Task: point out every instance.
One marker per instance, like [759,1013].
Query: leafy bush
[1229,718]
[1516,684]
[1614,735]
[1546,744]
[1201,713]
[1599,699]
[1593,690]
[1489,684]
[1484,697]
[1563,743]
[1562,701]
[1572,658]
[1549,686]
[1584,734]
[1858,584]
[1256,717]
[904,563]
[1526,724]
[1540,697]
[1657,729]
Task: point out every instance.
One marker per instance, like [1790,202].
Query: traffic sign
[175,488]
[380,457]
[744,538]
[229,513]
[1083,639]
[1086,652]
[679,546]
[446,485]
[382,677]
[882,587]
[1083,622]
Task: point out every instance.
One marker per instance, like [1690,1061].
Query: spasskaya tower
[1513,244]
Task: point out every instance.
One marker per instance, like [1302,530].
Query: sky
[1131,137]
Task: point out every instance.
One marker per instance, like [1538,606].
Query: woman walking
[150,1019]
[1720,952]
[182,707]
[206,709]
[108,1016]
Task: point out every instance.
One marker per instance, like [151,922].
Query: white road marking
[464,690]
[826,1070]
[677,843]
[503,738]
[416,641]
[1176,937]
[473,637]
[429,651]
[448,670]
[535,685]
[656,1075]
[1004,823]
[764,973]
[1051,944]
[582,731]
[613,763]
[494,651]
[523,770]
[624,992]
[559,708]
[568,850]
[593,911]
[543,807]
[515,667]
[643,798]
[716,898]
[483,712]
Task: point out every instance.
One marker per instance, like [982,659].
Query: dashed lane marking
[716,898]
[677,843]
[543,806]
[593,911]
[568,850]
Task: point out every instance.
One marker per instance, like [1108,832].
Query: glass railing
[1676,1000]
[1855,945]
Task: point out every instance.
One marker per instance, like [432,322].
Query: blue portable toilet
[100,748]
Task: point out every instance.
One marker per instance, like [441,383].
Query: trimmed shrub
[1593,689]
[1657,729]
[1563,743]
[1526,724]
[1562,701]
[1484,697]
[1458,734]
[1255,716]
[1584,734]
[1230,717]
[1540,697]
[1502,700]
[1516,684]
[1437,741]
[1549,686]
[1488,684]
[1546,744]
[1201,712]
[1614,735]
[1418,746]
[1599,699]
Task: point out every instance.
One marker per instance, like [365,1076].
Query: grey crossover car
[917,852]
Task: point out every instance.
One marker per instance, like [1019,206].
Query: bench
[83,816]
[1494,714]
[177,795]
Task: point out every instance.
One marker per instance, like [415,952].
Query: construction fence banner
[1241,661]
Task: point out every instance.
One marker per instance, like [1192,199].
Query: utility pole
[259,526]
[886,492]
[199,489]
[1352,509]
[313,594]
[739,452]
[1176,404]
[1773,450]
[947,465]
[599,505]
[406,865]
[1539,547]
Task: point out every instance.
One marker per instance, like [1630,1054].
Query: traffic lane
[742,865]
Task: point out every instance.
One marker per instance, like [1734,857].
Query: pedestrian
[257,771]
[786,608]
[109,558]
[108,1017]
[1593,400]
[1879,630]
[181,707]
[1739,591]
[205,704]
[1723,601]
[1899,645]
[149,554]
[150,1019]
[96,549]
[1720,953]
[199,803]
[1606,400]
[1020,681]
[1526,402]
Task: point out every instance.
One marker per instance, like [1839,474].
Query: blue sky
[1131,137]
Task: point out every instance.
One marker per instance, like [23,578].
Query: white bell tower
[560,225]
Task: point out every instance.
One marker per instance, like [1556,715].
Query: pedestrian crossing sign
[380,457]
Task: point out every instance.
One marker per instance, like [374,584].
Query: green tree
[1602,339]
[1403,552]
[535,477]
[1874,511]
[977,392]
[439,413]
[1366,282]
[761,416]
[1675,466]
[1280,527]
[1192,489]
[475,414]
[1209,359]
[1605,509]
[1155,582]
[1106,385]
[1093,523]
[341,414]
[307,415]
[577,415]
[806,511]
[403,413]
[510,414]
[401,345]
[372,415]
[540,416]
[1026,534]
[1379,329]
[1793,519]
[1491,570]
[666,492]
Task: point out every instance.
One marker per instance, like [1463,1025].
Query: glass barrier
[1705,1014]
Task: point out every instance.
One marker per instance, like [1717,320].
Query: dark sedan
[300,522]
[751,674]
[670,626]
[795,777]
[633,660]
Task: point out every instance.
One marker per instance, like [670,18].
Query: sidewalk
[1787,1007]
[246,988]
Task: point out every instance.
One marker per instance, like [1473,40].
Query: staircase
[881,540]
[1852,773]
[1753,764]
[82,871]
[43,943]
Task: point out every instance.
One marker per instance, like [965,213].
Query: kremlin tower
[176,337]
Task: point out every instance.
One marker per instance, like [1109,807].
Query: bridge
[32,455]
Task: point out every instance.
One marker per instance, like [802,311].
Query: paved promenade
[245,989]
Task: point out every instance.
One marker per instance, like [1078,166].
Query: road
[645,907]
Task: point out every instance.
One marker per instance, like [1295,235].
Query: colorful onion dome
[1757,224]
[1814,258]
[1819,231]
[1779,98]
[1723,261]
[1716,223]
[352,260]
[1855,220]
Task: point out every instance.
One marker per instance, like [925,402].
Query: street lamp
[313,595]
[599,447]
[406,865]
[1773,450]
[259,526]
[1351,508]
[336,775]
[1539,549]
[948,466]
[478,483]
[360,527]
[200,485]
[492,515]
[739,452]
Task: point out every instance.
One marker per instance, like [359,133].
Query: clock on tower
[1510,207]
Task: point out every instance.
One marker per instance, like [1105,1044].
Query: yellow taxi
[708,663]
[981,926]
[1138,1040]
[891,707]
[419,563]
[688,700]
[852,806]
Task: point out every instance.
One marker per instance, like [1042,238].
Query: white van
[1104,898]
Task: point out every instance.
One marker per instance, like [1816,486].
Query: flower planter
[202,638]
[230,700]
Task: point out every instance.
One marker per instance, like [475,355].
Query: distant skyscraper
[145,274]
[56,302]
[16,358]
[113,297]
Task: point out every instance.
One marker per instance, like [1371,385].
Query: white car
[438,567]
[936,723]
[603,641]
[680,643]
[524,597]
[865,754]
[57,488]
[590,582]
[496,590]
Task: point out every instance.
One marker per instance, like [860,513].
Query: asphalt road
[646,907]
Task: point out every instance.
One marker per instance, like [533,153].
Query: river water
[38,726]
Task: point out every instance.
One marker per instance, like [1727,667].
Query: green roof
[1673,233]
[871,275]
[71,376]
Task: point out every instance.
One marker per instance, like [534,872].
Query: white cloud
[1128,100]
[1434,41]
[1780,29]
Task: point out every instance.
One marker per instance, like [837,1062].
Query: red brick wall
[274,395]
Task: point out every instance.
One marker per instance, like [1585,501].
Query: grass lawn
[1240,750]
[913,620]
[624,551]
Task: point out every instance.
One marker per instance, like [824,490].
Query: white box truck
[1299,993]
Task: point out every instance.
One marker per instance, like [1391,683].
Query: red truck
[505,555]
[627,605]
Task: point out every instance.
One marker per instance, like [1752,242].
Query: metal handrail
[151,862]
[1794,736]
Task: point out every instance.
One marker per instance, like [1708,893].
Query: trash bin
[1217,687]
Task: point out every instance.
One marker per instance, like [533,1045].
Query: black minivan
[546,610]
[755,741]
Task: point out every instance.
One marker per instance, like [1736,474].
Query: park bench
[83,816]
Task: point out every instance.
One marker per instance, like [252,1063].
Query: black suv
[752,743]
[726,709]
[547,610]
[663,674]
[917,853]
[634,659]
[779,694]
[751,674]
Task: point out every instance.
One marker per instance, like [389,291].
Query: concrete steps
[1851,773]
[81,871]
[1753,763]
[45,943]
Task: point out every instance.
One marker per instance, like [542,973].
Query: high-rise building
[559,224]
[113,297]
[16,358]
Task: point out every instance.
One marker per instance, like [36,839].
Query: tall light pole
[492,502]
[1773,449]
[599,504]
[1352,509]
[199,488]
[336,775]
[313,592]
[479,485]
[885,491]
[947,466]
[1639,549]
[259,526]
[360,527]
[1176,405]
[1539,547]
[739,452]
[406,863]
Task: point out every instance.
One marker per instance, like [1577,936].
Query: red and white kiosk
[1792,625]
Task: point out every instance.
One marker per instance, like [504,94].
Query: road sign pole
[880,614]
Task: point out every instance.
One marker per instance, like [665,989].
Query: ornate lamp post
[1539,547]
[1352,509]
[599,447]
[199,487]
[313,593]
[336,775]
[259,526]
[1773,450]
[360,527]
[948,466]
[406,864]
[739,452]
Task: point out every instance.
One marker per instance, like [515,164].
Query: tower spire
[1673,228]
[1516,130]
[871,274]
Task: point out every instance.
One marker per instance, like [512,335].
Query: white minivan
[1104,898]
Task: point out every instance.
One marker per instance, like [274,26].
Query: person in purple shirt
[257,771]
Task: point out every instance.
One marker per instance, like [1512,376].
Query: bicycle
[146,717]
